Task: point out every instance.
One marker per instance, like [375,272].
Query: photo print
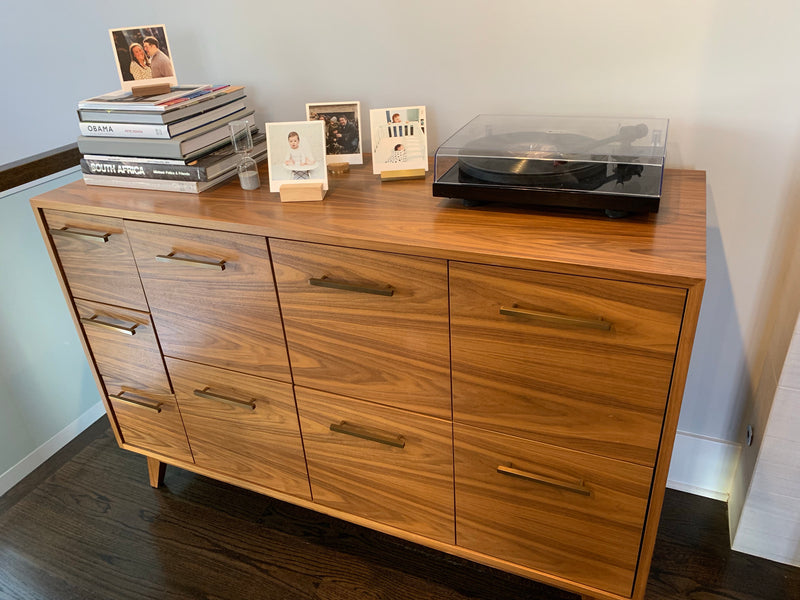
[143,56]
[342,122]
[296,153]
[399,140]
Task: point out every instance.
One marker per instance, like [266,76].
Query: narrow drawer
[579,362]
[366,324]
[150,422]
[124,347]
[243,426]
[212,297]
[566,513]
[380,463]
[96,258]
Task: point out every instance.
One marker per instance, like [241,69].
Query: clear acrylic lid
[585,139]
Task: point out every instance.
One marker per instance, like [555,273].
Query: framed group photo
[399,140]
[296,153]
[342,121]
[143,56]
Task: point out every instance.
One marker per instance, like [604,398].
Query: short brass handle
[204,393]
[576,487]
[94,236]
[94,320]
[554,319]
[324,281]
[396,441]
[207,264]
[151,406]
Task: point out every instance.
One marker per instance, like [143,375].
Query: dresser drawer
[96,258]
[575,361]
[150,422]
[559,511]
[212,297]
[241,425]
[366,324]
[124,347]
[380,463]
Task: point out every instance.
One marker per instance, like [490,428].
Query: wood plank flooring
[86,525]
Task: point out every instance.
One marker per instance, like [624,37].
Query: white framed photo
[143,56]
[399,139]
[342,129]
[296,153]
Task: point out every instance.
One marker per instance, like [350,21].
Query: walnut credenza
[499,383]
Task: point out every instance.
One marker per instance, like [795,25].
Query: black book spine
[142,170]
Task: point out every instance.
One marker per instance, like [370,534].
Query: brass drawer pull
[344,427]
[555,319]
[94,236]
[208,264]
[341,285]
[204,393]
[577,487]
[93,320]
[156,407]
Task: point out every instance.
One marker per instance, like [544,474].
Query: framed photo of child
[399,139]
[296,153]
[143,56]
[342,129]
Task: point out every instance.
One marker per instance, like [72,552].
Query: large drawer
[380,463]
[212,297]
[559,511]
[124,347]
[575,361]
[366,324]
[150,422]
[96,258]
[243,426]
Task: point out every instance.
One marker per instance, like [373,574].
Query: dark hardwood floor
[86,525]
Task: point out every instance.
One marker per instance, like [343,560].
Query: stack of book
[179,141]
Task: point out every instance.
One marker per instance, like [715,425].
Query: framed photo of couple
[143,56]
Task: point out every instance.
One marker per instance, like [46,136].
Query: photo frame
[135,65]
[300,162]
[342,121]
[399,139]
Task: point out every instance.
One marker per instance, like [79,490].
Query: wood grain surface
[101,271]
[392,350]
[592,538]
[403,216]
[602,391]
[227,318]
[259,443]
[410,487]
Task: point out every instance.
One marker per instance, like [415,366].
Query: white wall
[724,72]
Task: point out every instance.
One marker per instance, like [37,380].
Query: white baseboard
[703,466]
[28,464]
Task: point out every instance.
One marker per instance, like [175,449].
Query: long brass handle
[324,281]
[94,236]
[576,487]
[555,319]
[204,393]
[208,264]
[151,406]
[93,320]
[396,441]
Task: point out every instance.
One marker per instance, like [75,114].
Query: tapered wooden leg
[155,469]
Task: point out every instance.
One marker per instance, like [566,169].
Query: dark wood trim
[38,166]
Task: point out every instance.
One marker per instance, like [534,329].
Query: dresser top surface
[404,216]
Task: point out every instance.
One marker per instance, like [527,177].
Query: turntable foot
[472,203]
[616,214]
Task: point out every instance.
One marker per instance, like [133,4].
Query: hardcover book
[127,101]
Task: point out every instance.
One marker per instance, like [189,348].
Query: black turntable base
[553,168]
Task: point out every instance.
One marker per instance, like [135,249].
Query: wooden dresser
[500,383]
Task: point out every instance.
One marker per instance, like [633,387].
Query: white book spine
[132,130]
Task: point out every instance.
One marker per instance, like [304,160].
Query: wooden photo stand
[151,89]
[403,174]
[302,192]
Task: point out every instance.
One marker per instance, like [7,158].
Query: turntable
[615,165]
